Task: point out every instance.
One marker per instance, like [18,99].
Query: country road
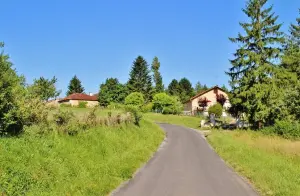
[185,166]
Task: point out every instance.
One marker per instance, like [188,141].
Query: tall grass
[188,121]
[272,164]
[91,163]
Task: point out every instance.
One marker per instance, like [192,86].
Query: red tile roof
[80,96]
[202,93]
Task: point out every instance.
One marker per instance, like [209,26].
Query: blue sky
[97,39]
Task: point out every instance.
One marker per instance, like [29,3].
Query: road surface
[185,166]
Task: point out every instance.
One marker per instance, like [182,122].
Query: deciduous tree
[157,78]
[112,91]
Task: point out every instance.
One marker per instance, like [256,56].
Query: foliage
[166,104]
[286,129]
[216,109]
[75,86]
[111,91]
[203,102]
[157,78]
[135,112]
[11,91]
[256,81]
[199,88]
[186,90]
[221,99]
[115,106]
[147,108]
[140,79]
[63,117]
[174,88]
[44,88]
[136,99]
[82,104]
[65,105]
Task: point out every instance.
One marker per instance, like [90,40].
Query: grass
[272,164]
[188,121]
[80,112]
[91,163]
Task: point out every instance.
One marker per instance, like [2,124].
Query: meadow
[93,162]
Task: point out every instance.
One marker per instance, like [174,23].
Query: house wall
[89,103]
[76,103]
[211,96]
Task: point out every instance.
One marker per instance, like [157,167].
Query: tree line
[265,70]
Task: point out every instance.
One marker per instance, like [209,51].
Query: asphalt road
[185,166]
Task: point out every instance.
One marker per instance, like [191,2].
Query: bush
[161,101]
[82,104]
[63,117]
[136,99]
[135,112]
[286,129]
[147,108]
[216,109]
[167,110]
[65,105]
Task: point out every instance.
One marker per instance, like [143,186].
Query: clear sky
[97,39]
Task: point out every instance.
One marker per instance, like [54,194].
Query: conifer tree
[140,79]
[198,87]
[75,86]
[254,73]
[174,88]
[186,89]
[159,87]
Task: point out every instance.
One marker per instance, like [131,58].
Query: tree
[225,88]
[140,79]
[44,88]
[75,86]
[136,99]
[159,87]
[11,90]
[221,99]
[295,31]
[198,88]
[205,87]
[174,88]
[111,92]
[203,103]
[166,104]
[254,72]
[186,89]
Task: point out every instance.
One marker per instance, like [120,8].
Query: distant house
[76,98]
[210,96]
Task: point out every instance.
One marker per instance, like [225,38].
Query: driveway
[185,166]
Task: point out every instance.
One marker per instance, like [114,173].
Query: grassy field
[188,121]
[272,164]
[91,163]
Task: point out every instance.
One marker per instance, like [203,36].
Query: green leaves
[111,92]
[254,71]
[159,87]
[75,86]
[44,88]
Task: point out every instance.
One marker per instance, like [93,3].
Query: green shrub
[167,110]
[135,98]
[216,109]
[115,106]
[135,112]
[161,101]
[82,104]
[147,108]
[286,129]
[65,105]
[63,117]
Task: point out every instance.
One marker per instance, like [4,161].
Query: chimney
[91,94]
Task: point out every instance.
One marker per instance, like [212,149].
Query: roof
[204,92]
[80,96]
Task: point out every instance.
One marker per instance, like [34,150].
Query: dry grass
[268,143]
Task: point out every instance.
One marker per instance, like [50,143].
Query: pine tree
[253,72]
[186,89]
[75,86]
[295,31]
[159,87]
[198,87]
[140,79]
[174,88]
